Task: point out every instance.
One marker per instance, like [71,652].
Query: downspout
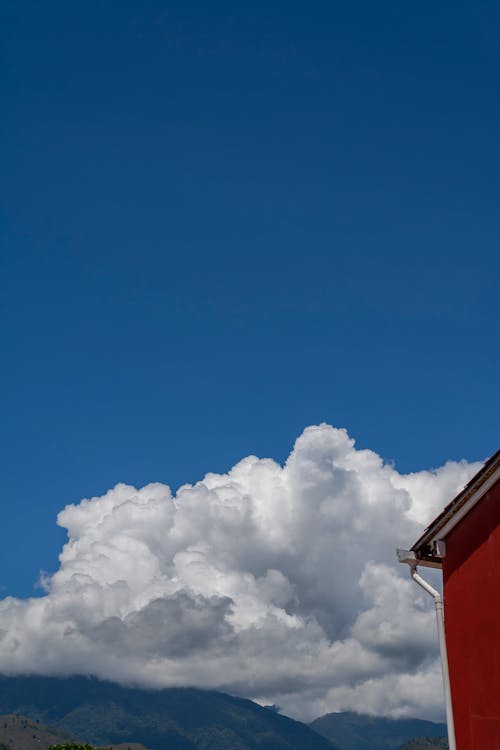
[409,557]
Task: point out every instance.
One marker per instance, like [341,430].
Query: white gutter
[409,557]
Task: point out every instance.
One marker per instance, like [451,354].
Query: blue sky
[225,222]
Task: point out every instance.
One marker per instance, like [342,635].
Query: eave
[430,548]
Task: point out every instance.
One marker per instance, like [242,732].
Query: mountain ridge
[355,731]
[104,713]
[21,733]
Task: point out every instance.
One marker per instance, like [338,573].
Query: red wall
[471,574]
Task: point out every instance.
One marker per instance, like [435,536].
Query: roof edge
[458,508]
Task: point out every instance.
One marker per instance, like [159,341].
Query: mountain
[426,743]
[20,733]
[102,713]
[353,731]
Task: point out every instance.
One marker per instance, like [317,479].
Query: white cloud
[277,583]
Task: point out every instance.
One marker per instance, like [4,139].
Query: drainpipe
[409,557]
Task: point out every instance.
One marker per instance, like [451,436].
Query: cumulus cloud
[278,583]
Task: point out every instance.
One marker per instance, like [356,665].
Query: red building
[464,541]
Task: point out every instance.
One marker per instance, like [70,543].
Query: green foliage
[3,746]
[73,746]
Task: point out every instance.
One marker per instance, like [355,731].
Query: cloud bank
[278,583]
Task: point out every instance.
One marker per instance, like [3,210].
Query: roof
[429,549]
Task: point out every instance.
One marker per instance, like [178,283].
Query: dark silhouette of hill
[20,733]
[353,731]
[426,743]
[103,713]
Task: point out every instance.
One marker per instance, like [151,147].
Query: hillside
[353,731]
[102,713]
[426,743]
[20,733]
